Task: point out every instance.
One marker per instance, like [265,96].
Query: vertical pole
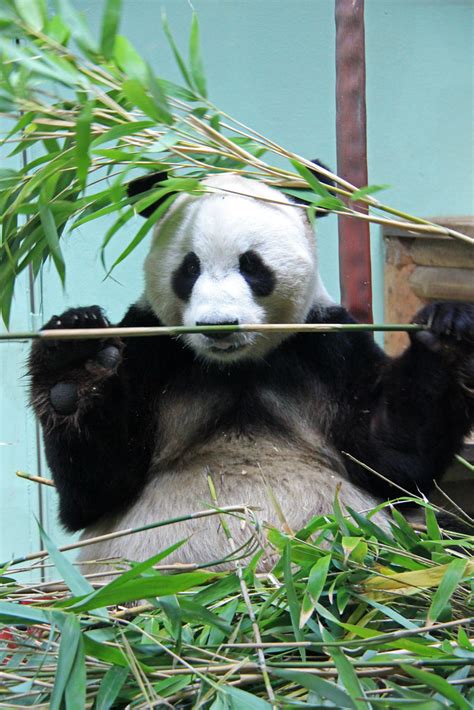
[351,136]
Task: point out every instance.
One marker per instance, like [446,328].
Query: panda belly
[245,471]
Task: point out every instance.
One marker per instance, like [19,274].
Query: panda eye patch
[186,275]
[257,274]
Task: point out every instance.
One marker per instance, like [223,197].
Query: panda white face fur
[229,258]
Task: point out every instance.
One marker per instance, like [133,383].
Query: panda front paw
[60,354]
[68,372]
[450,333]
[450,326]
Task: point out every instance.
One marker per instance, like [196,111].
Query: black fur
[327,182]
[258,275]
[145,183]
[186,276]
[405,418]
[137,188]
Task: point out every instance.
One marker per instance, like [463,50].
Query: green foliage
[349,622]
[86,113]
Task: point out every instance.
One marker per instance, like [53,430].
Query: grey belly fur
[302,479]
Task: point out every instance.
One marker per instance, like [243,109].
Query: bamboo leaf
[170,686]
[322,687]
[196,613]
[409,537]
[33,12]
[159,97]
[311,179]
[316,581]
[129,61]
[143,231]
[161,585]
[370,527]
[366,191]
[6,298]
[451,579]
[432,527]
[110,24]
[78,27]
[355,548]
[133,573]
[119,222]
[52,239]
[179,60]
[315,200]
[293,604]
[71,575]
[11,613]
[117,132]
[70,639]
[58,30]
[105,652]
[83,139]
[347,674]
[238,699]
[135,93]
[195,59]
[440,685]
[412,582]
[110,687]
[75,693]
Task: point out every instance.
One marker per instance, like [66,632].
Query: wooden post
[354,236]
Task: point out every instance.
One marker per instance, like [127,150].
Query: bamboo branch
[117,332]
[129,531]
[35,479]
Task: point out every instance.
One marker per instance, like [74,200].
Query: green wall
[271,64]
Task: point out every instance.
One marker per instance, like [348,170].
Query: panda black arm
[96,412]
[404,417]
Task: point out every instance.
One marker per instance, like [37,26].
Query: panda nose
[218,336]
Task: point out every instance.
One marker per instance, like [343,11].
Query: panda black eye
[258,275]
[192,268]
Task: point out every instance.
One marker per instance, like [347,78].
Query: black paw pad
[109,357]
[64,398]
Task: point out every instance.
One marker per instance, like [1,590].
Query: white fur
[302,481]
[220,226]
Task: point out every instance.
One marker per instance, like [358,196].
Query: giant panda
[133,428]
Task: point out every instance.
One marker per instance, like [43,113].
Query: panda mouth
[227,348]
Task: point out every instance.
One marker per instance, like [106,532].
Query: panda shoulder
[140,315]
[329,314]
[342,352]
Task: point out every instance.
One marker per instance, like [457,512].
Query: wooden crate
[420,268]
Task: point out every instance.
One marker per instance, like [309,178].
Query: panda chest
[231,423]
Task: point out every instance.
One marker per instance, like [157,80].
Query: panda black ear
[143,184]
[322,178]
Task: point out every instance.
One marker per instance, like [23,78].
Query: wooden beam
[354,236]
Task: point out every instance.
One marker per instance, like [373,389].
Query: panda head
[239,253]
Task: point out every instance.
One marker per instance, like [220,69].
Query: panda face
[227,258]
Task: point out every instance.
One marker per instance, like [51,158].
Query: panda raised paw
[64,371]
[450,328]
[60,354]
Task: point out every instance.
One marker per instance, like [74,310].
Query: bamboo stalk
[117,332]
[394,635]
[129,531]
[35,479]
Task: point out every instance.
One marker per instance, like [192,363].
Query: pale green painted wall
[271,64]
